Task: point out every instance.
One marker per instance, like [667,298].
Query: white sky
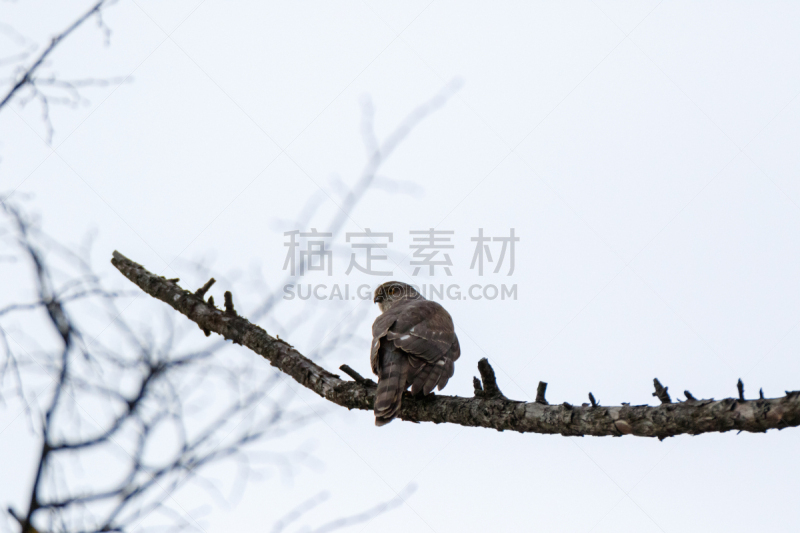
[646,153]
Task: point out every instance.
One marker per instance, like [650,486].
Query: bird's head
[392,292]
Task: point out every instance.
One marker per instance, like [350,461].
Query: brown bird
[413,343]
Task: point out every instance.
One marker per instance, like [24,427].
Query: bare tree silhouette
[85,398]
[121,399]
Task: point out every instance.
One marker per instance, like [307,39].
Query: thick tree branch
[497,412]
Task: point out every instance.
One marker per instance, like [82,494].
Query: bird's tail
[391,383]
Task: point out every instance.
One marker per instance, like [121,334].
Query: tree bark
[489,408]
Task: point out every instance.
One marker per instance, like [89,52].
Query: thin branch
[377,155]
[298,512]
[540,391]
[356,376]
[369,514]
[661,392]
[201,292]
[665,420]
[489,388]
[27,76]
[155,401]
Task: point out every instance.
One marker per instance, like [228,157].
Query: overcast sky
[645,153]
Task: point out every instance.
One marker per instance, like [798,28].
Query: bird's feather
[391,383]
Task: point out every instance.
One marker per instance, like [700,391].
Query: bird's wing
[379,329]
[423,329]
[449,367]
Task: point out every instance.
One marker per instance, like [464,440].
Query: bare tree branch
[377,156]
[28,76]
[51,90]
[157,394]
[497,412]
[369,514]
[298,512]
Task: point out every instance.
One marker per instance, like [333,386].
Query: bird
[414,344]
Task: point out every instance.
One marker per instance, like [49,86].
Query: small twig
[591,399]
[540,390]
[689,397]
[15,516]
[229,304]
[760,394]
[490,388]
[201,292]
[661,392]
[740,388]
[358,378]
[476,384]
